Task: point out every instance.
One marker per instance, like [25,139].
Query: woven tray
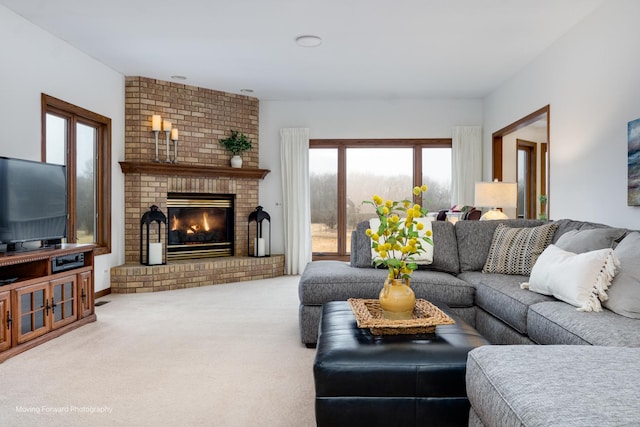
[426,317]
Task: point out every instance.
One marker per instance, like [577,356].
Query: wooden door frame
[531,185]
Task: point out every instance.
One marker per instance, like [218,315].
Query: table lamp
[496,195]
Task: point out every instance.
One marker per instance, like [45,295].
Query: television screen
[33,201]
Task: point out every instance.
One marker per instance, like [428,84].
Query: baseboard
[102,293]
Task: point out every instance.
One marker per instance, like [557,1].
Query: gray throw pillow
[361,246]
[624,293]
[581,241]
[445,248]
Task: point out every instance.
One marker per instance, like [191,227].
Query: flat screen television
[33,203]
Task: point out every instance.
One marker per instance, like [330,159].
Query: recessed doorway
[521,154]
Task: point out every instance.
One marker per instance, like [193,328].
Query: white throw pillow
[581,280]
[423,258]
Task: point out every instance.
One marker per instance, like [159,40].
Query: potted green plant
[237,143]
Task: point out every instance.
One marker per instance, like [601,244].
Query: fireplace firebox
[200,225]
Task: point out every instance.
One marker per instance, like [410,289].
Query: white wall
[35,62]
[590,79]
[350,119]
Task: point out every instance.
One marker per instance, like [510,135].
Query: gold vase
[397,299]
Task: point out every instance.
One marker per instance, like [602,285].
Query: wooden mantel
[171,169]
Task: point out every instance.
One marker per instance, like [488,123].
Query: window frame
[417,144]
[102,174]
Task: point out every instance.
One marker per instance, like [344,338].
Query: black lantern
[153,253]
[260,247]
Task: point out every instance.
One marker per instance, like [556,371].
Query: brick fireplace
[203,116]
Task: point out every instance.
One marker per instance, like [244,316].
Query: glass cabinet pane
[25,303]
[38,319]
[68,307]
[25,322]
[38,299]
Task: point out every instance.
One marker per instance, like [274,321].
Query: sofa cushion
[556,322]
[554,385]
[501,296]
[580,241]
[515,250]
[624,293]
[445,247]
[324,281]
[566,225]
[581,279]
[474,239]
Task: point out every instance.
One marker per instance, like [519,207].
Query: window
[343,173]
[81,140]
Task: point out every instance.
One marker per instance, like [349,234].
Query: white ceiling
[371,48]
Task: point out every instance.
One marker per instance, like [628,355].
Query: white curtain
[466,153]
[294,156]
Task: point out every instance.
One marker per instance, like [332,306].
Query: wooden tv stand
[44,293]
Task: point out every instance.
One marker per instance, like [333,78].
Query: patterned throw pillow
[515,250]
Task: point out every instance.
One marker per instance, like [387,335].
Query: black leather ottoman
[401,380]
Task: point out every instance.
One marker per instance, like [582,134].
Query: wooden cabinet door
[5,320]
[63,301]
[85,291]
[33,311]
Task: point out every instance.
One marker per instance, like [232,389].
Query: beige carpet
[223,355]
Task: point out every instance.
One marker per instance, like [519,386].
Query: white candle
[156,122]
[258,247]
[155,253]
[174,134]
[166,125]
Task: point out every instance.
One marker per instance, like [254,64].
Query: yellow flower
[428,232]
[424,188]
[391,240]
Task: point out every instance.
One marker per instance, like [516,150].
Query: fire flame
[192,228]
[205,223]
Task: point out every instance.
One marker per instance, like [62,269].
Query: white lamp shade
[496,194]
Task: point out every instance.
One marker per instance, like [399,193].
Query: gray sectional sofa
[499,377]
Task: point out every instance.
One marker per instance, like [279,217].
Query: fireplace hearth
[200,225]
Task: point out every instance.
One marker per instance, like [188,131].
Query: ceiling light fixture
[308,41]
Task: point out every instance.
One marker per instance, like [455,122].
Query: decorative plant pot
[236,161]
[397,299]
